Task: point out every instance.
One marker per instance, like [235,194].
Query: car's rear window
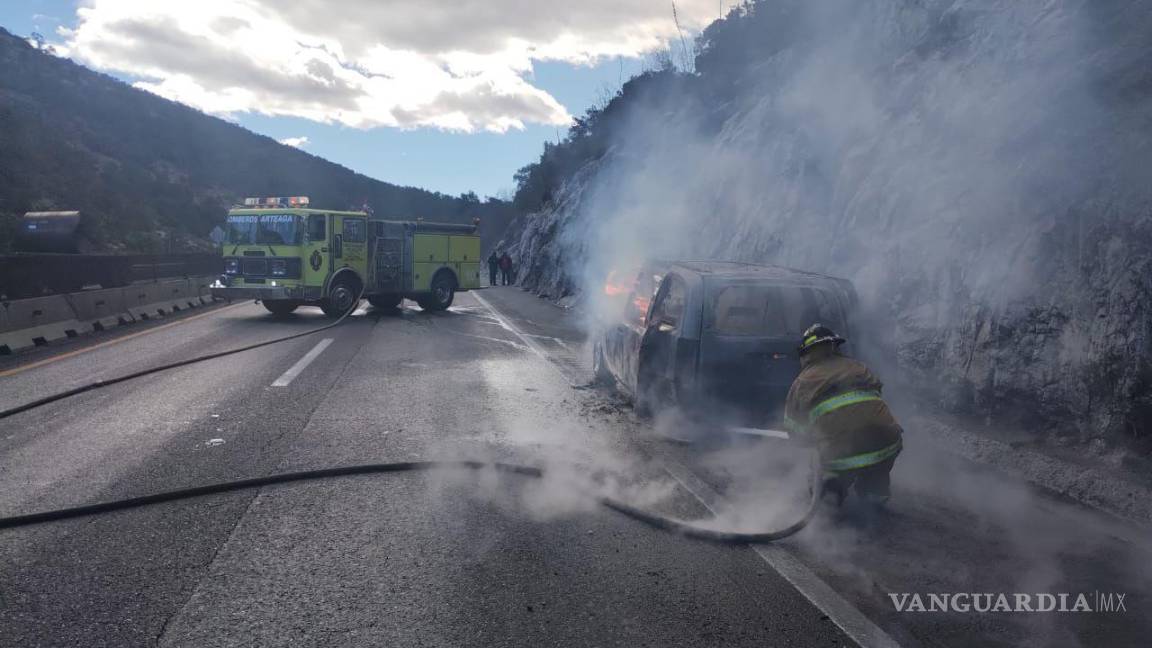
[767,310]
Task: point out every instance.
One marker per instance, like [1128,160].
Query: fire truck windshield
[263,229]
[278,229]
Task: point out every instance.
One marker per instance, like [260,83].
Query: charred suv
[714,338]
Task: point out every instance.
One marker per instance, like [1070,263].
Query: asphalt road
[451,559]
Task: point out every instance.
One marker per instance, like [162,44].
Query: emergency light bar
[278,201]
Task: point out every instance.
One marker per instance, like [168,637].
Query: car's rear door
[660,342]
[624,338]
[748,355]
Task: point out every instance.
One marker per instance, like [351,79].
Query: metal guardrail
[24,276]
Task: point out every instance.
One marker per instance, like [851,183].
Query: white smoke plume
[968,165]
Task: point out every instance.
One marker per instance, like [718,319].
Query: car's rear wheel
[386,302]
[280,307]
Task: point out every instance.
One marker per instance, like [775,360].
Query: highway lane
[448,559]
[130,439]
[414,559]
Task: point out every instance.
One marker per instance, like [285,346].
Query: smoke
[580,462]
[964,163]
[975,167]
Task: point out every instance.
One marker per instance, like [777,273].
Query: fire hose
[657,520]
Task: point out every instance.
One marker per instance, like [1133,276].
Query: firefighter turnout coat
[835,402]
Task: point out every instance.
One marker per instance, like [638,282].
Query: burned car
[714,338]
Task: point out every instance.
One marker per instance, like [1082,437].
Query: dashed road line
[288,376]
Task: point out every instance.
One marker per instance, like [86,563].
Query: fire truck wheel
[386,302]
[280,307]
[443,292]
[341,299]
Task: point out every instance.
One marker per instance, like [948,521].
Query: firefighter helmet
[818,334]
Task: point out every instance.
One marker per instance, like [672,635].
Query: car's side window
[641,298]
[670,310]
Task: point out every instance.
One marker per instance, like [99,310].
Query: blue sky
[536,87]
[451,162]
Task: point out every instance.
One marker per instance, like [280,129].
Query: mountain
[978,168]
[154,175]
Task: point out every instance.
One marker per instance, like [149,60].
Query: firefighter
[835,403]
[493,265]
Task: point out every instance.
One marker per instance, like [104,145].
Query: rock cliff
[979,169]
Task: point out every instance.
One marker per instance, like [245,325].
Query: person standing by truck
[493,266]
[506,268]
[835,403]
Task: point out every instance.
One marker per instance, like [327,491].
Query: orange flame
[615,288]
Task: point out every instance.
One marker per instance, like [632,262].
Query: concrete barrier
[139,300]
[37,321]
[175,296]
[145,301]
[100,309]
[197,289]
[202,291]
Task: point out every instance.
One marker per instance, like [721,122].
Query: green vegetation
[156,176]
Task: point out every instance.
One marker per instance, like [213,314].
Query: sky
[448,95]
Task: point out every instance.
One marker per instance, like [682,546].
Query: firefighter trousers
[871,483]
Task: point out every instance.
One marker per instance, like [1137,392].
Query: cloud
[459,65]
[295,142]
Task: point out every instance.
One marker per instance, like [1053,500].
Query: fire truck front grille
[254,267]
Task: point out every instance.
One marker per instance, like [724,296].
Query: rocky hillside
[158,175]
[977,167]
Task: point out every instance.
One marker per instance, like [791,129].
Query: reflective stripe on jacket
[863,460]
[836,401]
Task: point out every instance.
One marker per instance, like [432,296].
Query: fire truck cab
[286,254]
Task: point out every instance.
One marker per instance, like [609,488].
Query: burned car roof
[738,270]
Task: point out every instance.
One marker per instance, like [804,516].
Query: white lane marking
[512,328]
[288,376]
[556,340]
[845,615]
[511,343]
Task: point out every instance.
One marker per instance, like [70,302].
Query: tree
[41,44]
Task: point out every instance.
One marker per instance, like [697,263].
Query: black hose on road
[681,527]
[40,402]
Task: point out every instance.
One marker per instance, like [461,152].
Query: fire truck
[285,254]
